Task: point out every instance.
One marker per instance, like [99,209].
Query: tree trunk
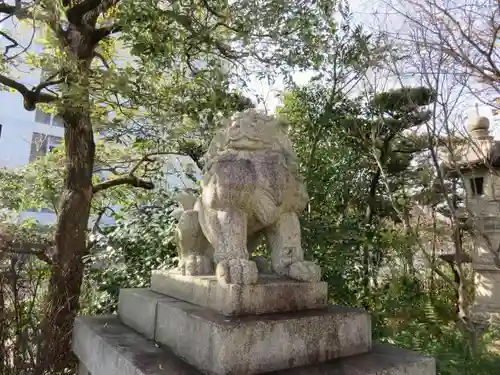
[3,324]
[74,209]
[370,208]
[370,212]
[15,286]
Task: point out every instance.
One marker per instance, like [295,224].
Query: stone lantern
[478,164]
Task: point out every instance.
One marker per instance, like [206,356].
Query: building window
[46,118]
[52,143]
[477,186]
[57,121]
[42,117]
[41,144]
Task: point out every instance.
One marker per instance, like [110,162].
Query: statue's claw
[237,271]
[304,271]
[192,265]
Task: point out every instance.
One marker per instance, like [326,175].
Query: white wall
[18,126]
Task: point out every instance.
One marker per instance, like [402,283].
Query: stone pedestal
[219,344]
[196,326]
[82,370]
[486,306]
[272,294]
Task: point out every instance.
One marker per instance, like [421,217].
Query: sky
[374,15]
[364,12]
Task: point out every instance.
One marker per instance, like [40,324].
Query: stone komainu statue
[250,189]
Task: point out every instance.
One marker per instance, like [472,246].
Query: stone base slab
[105,346]
[82,370]
[138,308]
[271,294]
[223,345]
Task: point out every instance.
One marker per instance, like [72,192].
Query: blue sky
[368,13]
[375,15]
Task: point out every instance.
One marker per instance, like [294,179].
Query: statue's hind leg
[287,256]
[193,246]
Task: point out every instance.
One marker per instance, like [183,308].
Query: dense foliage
[124,254]
[367,155]
[365,172]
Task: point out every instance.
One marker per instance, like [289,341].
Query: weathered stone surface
[487,288]
[271,294]
[486,314]
[251,188]
[137,309]
[107,347]
[381,360]
[218,344]
[82,369]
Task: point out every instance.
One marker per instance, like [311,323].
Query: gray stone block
[107,347]
[223,345]
[137,309]
[271,294]
[381,360]
[82,370]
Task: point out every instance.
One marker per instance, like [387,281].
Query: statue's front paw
[305,271]
[196,265]
[237,271]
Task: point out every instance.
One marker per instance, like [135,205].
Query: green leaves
[405,99]
[123,255]
[34,186]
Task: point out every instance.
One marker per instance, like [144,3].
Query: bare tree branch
[104,32]
[10,244]
[40,254]
[14,43]
[46,84]
[466,32]
[102,58]
[31,97]
[130,178]
[125,180]
[469,39]
[85,11]
[14,84]
[10,9]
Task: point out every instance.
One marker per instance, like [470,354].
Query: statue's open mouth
[245,142]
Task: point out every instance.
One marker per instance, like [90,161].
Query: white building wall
[18,126]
